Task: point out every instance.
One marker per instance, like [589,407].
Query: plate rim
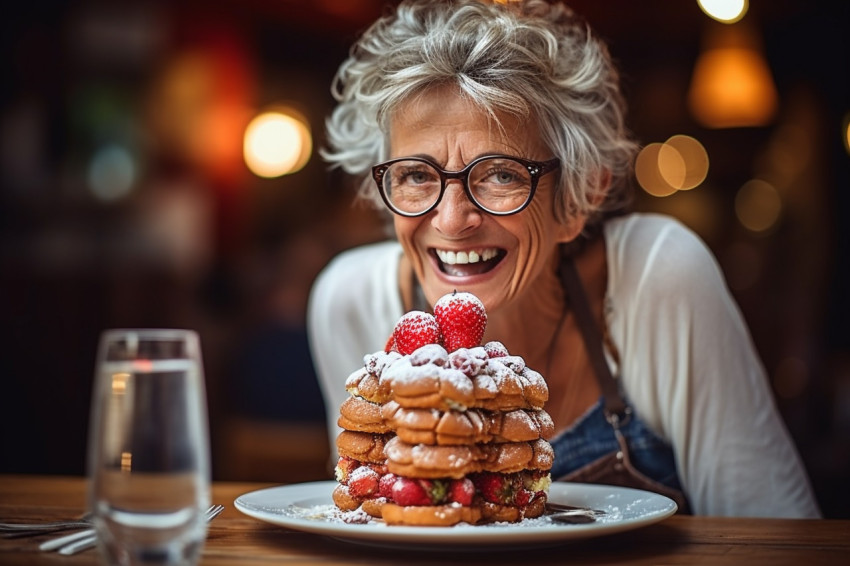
[459,535]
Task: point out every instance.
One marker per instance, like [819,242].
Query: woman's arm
[353,306]
[692,372]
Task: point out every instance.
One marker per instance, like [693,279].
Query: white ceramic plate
[308,507]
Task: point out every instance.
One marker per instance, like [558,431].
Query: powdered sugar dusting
[331,514]
[377,361]
[429,354]
[469,373]
[403,371]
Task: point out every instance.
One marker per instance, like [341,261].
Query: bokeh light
[732,87]
[693,159]
[680,163]
[726,11]
[648,173]
[758,205]
[671,166]
[277,143]
[111,173]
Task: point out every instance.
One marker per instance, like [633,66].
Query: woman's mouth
[468,262]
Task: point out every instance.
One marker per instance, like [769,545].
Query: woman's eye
[503,176]
[500,177]
[414,177]
[417,177]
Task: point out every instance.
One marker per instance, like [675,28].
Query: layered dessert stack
[440,430]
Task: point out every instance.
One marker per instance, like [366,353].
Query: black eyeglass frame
[535,168]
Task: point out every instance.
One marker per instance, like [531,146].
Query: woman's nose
[456,214]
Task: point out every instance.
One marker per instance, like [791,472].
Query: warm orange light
[648,171]
[732,85]
[671,166]
[126,461]
[119,383]
[198,107]
[683,162]
[758,205]
[277,143]
[679,164]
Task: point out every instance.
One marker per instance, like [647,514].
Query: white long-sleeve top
[688,364]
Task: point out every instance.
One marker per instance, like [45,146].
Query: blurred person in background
[494,135]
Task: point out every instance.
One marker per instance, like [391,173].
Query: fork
[10,530]
[569,514]
[83,540]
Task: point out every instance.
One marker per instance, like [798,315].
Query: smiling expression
[457,245]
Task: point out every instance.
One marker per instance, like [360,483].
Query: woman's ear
[570,230]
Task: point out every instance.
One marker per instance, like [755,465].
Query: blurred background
[158,168]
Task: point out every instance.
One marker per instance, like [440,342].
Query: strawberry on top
[414,330]
[458,321]
[462,320]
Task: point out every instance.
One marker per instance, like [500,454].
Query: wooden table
[235,539]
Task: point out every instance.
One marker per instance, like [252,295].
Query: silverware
[83,540]
[12,530]
[58,542]
[572,515]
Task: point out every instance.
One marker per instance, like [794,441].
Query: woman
[495,136]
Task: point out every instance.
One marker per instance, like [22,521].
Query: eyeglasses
[497,184]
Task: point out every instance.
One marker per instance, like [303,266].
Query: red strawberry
[385,485]
[380,468]
[462,320]
[523,497]
[414,330]
[363,482]
[437,490]
[461,491]
[344,467]
[408,491]
[496,350]
[390,345]
[494,487]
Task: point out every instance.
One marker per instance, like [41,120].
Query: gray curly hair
[529,59]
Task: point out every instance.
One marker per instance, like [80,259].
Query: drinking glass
[148,453]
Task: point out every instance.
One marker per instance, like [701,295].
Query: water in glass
[148,453]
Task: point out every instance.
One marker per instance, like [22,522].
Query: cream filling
[465,257]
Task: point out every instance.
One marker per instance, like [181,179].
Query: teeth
[472,256]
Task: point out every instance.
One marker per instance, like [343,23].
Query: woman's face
[451,131]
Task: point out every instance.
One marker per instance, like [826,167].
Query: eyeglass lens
[498,184]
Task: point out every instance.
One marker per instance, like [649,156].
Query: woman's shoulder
[358,288]
[361,271]
[647,249]
[644,232]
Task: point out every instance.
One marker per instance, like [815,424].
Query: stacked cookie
[361,443]
[445,432]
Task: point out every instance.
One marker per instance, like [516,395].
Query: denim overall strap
[615,407]
[616,466]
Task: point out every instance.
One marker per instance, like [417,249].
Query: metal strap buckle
[618,420]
